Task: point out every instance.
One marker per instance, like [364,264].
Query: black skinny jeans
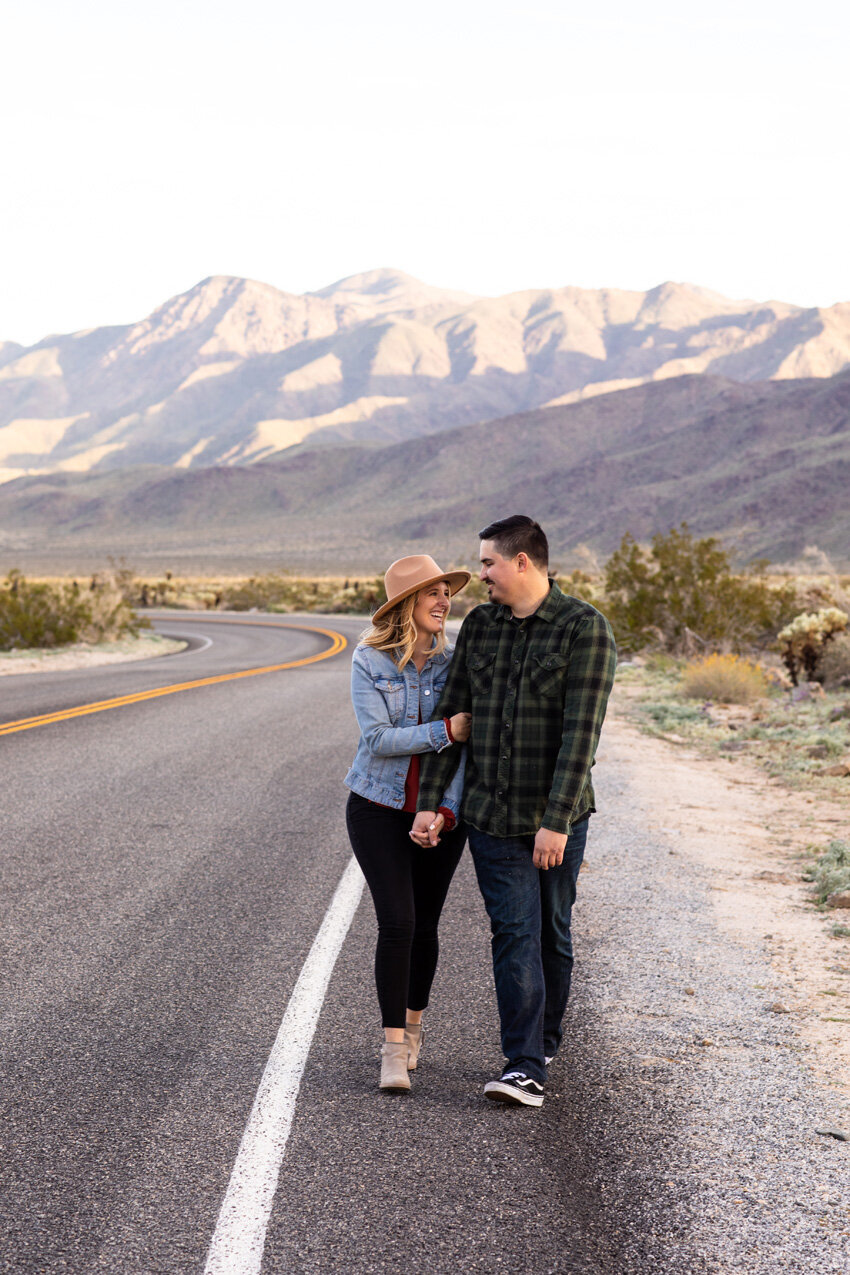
[409,885]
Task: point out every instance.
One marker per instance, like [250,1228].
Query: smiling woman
[397,675]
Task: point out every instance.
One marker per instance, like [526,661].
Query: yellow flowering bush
[727,679]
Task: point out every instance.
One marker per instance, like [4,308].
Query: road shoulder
[88,654]
[749,834]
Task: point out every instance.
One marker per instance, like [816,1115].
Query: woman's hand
[426,829]
[461,725]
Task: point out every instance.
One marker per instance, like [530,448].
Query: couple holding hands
[492,740]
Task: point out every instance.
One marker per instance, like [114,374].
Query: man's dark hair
[519,534]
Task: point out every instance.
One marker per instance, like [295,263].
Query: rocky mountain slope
[235,371]
[764,464]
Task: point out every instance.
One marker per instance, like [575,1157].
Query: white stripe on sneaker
[515,1087]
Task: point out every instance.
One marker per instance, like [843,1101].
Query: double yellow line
[338,643]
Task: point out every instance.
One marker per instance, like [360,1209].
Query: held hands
[428,825]
[426,829]
[461,725]
[549,848]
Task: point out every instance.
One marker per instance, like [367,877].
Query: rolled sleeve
[439,735]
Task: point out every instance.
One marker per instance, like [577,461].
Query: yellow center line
[338,643]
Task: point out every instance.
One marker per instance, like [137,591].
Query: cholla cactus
[802,641]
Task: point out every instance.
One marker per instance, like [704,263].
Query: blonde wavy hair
[397,633]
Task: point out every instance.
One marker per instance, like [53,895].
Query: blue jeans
[529,912]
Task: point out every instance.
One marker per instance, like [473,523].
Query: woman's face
[432,606]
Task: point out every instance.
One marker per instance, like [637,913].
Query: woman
[397,675]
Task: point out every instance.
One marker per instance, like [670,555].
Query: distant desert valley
[241,426]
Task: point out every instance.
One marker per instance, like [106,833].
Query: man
[535,668]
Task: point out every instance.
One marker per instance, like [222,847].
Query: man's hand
[427,827]
[461,725]
[549,848]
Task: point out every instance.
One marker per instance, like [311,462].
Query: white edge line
[205,643]
[240,1234]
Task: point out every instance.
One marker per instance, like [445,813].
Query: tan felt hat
[409,575]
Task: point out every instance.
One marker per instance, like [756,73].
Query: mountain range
[234,371]
[764,464]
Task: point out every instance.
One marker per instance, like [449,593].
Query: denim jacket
[387,702]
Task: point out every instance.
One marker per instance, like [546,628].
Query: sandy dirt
[85,655]
[750,834]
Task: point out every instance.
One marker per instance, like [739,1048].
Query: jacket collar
[386,656]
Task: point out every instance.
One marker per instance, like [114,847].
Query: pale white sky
[476,144]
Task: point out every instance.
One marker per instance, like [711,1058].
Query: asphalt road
[165,868]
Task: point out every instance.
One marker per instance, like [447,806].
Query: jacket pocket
[480,669]
[547,674]
[392,689]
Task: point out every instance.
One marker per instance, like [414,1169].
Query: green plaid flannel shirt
[537,689]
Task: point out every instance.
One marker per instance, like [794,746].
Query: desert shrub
[667,716]
[34,614]
[817,582]
[261,593]
[680,594]
[802,643]
[289,593]
[358,597]
[831,871]
[835,663]
[474,594]
[579,584]
[728,679]
[120,574]
[110,614]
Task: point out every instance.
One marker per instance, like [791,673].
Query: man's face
[498,573]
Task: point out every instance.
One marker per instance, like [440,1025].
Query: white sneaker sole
[498,1091]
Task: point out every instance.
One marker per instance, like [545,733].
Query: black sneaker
[516,1088]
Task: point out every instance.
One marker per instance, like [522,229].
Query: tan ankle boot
[413,1040]
[394,1066]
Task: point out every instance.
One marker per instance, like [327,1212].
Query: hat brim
[456,580]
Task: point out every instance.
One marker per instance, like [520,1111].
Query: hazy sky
[477,145]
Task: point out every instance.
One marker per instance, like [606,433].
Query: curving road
[166,866]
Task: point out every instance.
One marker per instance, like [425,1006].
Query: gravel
[709,1093]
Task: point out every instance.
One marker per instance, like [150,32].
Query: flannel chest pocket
[547,674]
[480,669]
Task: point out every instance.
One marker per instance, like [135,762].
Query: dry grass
[795,739]
[726,679]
